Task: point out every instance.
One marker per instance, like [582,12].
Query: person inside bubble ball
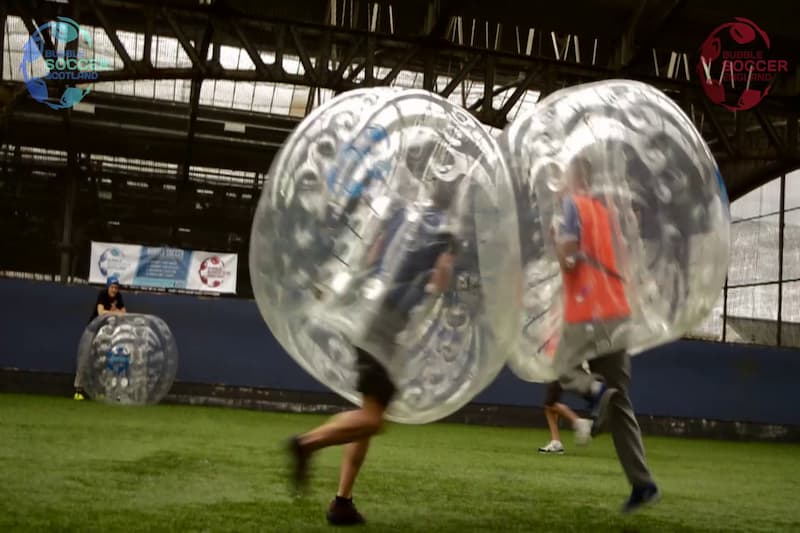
[596,310]
[109,301]
[425,270]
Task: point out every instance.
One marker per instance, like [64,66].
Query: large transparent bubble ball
[129,359]
[651,187]
[367,195]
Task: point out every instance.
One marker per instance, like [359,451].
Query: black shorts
[553,393]
[373,380]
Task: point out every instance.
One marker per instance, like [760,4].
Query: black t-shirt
[414,272]
[107,301]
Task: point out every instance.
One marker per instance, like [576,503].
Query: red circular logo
[212,272]
[735,66]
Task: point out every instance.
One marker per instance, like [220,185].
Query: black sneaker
[300,459]
[640,497]
[342,512]
[599,408]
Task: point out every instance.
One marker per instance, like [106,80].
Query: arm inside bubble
[442,274]
[376,250]
[568,235]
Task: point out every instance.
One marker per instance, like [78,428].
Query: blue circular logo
[112,262]
[69,66]
[118,360]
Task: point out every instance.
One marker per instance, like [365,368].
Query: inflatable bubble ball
[623,224]
[387,227]
[128,359]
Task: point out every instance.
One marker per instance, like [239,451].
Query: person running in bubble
[596,314]
[423,271]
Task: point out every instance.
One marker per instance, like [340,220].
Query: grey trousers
[615,369]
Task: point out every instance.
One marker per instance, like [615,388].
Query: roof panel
[243,93]
[166,52]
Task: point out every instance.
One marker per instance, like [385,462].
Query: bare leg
[564,411]
[343,428]
[551,413]
[354,454]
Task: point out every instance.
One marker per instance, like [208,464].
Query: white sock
[596,387]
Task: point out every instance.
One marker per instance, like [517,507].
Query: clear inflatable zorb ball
[129,359]
[387,224]
[624,225]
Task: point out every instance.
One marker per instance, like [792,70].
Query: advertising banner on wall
[165,268]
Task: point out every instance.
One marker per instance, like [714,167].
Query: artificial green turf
[83,466]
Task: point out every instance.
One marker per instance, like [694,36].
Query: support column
[781,220]
[725,310]
[70,197]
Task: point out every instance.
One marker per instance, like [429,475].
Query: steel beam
[781,230]
[447,52]
[115,42]
[27,19]
[402,62]
[725,310]
[768,128]
[255,57]
[792,125]
[438,19]
[523,86]
[148,36]
[197,63]
[313,43]
[3,15]
[721,135]
[324,56]
[308,67]
[487,112]
[650,27]
[369,61]
[71,173]
[347,59]
[429,71]
[624,50]
[461,76]
[194,104]
[68,222]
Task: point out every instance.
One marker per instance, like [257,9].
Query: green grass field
[82,466]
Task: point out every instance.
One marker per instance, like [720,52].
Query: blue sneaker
[599,407]
[640,497]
